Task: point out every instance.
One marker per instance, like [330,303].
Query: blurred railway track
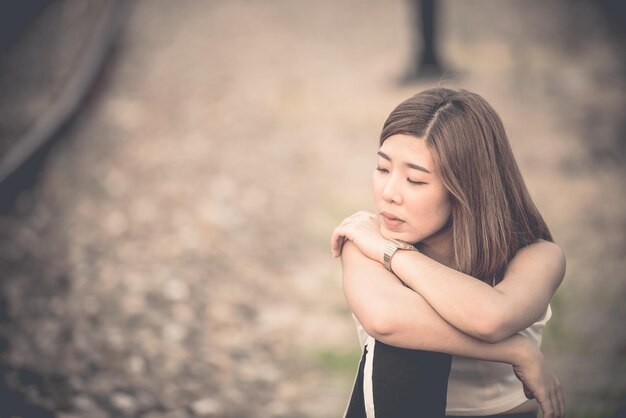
[52,54]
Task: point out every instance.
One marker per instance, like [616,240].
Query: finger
[559,405]
[338,244]
[553,394]
[335,240]
[546,406]
[346,221]
[340,234]
[547,412]
[360,217]
[340,249]
[560,398]
[349,222]
[363,215]
[555,405]
[349,219]
[359,214]
[528,392]
[367,215]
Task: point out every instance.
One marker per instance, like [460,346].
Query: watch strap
[391,248]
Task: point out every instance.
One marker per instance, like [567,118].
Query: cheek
[444,204]
[444,212]
[444,207]
[432,211]
[377,186]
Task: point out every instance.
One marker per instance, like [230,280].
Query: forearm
[431,332]
[485,312]
[398,316]
[469,304]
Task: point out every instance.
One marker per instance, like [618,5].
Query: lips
[391,221]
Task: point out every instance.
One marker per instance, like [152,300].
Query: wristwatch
[392,246]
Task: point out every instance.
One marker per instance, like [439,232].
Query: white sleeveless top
[475,387]
[478,387]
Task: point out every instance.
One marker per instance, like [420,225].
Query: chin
[388,234]
[404,237]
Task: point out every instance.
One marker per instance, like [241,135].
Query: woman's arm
[488,313]
[396,315]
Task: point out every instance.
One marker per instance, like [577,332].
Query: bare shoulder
[541,256]
[542,250]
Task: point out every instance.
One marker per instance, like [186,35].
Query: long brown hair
[493,215]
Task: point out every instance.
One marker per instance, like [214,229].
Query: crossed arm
[398,316]
[488,313]
[478,309]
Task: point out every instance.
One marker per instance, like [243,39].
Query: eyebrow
[414,166]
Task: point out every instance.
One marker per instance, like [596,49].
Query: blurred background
[171,172]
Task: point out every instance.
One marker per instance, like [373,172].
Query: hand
[539,382]
[362,228]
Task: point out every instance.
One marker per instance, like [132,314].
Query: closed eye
[382,170]
[417,182]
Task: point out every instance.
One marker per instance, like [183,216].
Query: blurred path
[174,261]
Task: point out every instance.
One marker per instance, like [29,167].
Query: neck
[444,256]
[439,247]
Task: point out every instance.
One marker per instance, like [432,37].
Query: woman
[477,286]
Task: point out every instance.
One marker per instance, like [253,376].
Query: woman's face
[411,201]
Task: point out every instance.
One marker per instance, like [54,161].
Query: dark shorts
[405,384]
[521,415]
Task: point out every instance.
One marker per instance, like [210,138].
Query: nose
[391,191]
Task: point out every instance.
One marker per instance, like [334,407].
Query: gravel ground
[173,260]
